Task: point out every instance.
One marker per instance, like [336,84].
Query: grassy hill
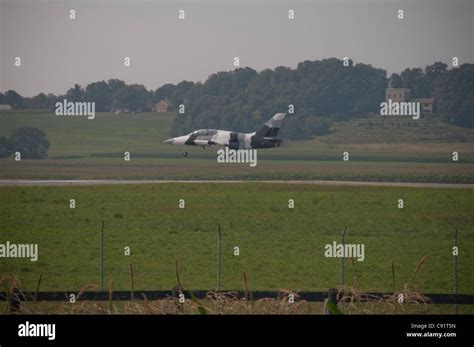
[376,129]
[77,136]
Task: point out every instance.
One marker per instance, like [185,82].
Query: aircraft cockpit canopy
[204,132]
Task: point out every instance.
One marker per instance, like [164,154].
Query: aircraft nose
[169,140]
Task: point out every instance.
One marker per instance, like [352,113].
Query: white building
[5,108]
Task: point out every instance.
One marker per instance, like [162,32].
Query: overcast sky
[57,52]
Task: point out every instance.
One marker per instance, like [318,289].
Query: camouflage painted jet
[265,137]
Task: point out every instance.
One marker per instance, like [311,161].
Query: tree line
[110,95]
[320,91]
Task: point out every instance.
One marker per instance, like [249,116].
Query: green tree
[396,80]
[6,147]
[30,142]
[454,95]
[100,93]
[134,97]
[75,94]
[414,80]
[39,102]
[14,99]
[166,91]
[432,74]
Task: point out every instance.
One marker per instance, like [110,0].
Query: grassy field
[192,168]
[380,149]
[280,248]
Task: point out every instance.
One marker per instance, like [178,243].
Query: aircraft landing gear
[185,154]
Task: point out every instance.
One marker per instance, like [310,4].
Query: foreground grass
[280,248]
[229,306]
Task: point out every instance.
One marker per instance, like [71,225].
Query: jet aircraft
[265,137]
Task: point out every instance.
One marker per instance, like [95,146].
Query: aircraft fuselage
[233,140]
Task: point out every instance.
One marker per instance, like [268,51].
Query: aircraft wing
[209,143]
[218,143]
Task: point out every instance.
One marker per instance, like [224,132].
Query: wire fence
[220,260]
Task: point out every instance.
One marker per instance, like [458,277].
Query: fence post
[15,300]
[132,280]
[101,264]
[455,269]
[342,258]
[332,300]
[218,259]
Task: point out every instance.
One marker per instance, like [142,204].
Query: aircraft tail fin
[272,127]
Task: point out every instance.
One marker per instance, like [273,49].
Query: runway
[13,183]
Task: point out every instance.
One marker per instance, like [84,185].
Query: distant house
[403,95]
[5,108]
[162,106]
[397,94]
[426,105]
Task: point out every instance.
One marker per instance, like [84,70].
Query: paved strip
[316,182]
